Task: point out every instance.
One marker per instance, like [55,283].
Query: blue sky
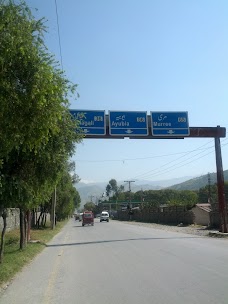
[147,55]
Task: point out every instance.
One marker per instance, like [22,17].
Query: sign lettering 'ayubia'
[120,124]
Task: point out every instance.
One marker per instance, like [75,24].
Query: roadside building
[202,214]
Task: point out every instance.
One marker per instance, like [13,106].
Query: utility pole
[91,198]
[209,188]
[142,196]
[220,186]
[129,183]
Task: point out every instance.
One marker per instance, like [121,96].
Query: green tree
[89,206]
[206,193]
[113,189]
[36,131]
[76,199]
[67,197]
[108,190]
[3,214]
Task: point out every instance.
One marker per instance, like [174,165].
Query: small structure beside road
[202,214]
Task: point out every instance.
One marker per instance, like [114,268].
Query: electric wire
[183,161]
[60,47]
[144,158]
[169,169]
[175,160]
[141,158]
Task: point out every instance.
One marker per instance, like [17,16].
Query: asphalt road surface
[117,263]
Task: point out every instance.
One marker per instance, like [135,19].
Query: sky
[144,55]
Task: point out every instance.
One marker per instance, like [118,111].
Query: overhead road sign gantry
[129,123]
[169,124]
[92,122]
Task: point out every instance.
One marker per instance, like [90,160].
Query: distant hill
[90,192]
[198,182]
[94,191]
[156,185]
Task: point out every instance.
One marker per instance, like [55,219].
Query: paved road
[117,263]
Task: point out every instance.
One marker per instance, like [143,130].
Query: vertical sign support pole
[220,186]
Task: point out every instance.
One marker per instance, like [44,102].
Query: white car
[104,216]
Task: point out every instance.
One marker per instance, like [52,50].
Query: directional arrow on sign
[129,131]
[171,132]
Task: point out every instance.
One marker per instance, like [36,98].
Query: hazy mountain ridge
[93,191]
[198,182]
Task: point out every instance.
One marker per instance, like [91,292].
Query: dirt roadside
[191,229]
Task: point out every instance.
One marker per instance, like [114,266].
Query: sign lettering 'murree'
[161,124]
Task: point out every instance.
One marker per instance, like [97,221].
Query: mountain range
[198,182]
[93,191]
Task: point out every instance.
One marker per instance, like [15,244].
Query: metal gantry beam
[203,132]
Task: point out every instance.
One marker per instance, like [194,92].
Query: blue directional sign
[128,123]
[169,123]
[91,122]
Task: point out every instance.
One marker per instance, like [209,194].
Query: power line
[168,169]
[174,165]
[147,157]
[143,158]
[60,48]
[175,160]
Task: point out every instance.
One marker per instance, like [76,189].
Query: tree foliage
[68,198]
[90,206]
[112,189]
[204,194]
[36,130]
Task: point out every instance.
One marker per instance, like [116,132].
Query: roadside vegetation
[37,133]
[15,259]
[116,196]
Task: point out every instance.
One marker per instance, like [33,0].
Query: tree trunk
[42,221]
[53,207]
[22,229]
[36,216]
[4,215]
[33,219]
[38,220]
[28,216]
[45,219]
[25,227]
[29,220]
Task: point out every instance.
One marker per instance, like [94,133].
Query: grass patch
[14,258]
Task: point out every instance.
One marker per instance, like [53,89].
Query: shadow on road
[82,226]
[123,240]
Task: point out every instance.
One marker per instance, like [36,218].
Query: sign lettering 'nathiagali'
[130,123]
[169,123]
[91,122]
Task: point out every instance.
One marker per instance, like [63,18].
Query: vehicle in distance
[104,216]
[87,218]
